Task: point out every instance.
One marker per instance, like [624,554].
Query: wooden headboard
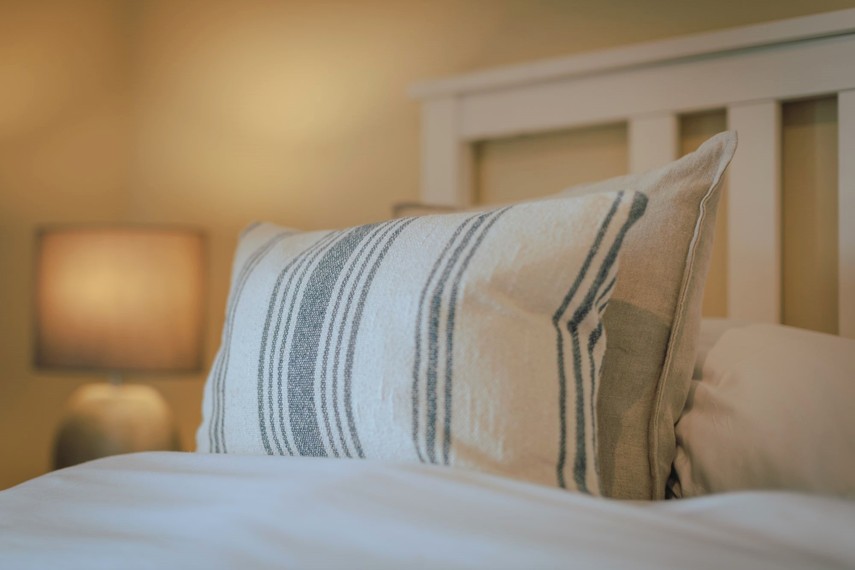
[749,71]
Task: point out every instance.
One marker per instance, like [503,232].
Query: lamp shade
[120,298]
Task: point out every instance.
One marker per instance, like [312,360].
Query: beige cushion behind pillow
[711,331]
[772,410]
[653,319]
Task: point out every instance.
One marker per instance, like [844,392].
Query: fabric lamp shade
[120,298]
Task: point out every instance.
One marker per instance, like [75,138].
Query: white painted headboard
[748,71]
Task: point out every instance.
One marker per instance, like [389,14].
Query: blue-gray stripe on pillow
[326,267]
[398,226]
[449,332]
[593,340]
[636,210]
[602,300]
[217,425]
[433,324]
[306,340]
[417,360]
[337,394]
[293,269]
[379,230]
[556,322]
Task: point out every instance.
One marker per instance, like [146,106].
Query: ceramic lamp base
[107,419]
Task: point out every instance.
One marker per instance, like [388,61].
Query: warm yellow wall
[215,113]
[809,214]
[519,168]
[63,158]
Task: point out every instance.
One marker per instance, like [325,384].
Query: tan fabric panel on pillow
[654,317]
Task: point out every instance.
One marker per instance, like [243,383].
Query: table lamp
[118,299]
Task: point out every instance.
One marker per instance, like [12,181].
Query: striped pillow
[471,340]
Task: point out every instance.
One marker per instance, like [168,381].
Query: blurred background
[216,113]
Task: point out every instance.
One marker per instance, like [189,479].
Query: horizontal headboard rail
[749,71]
[748,37]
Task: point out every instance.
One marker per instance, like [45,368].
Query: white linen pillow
[653,317]
[772,410]
[471,340]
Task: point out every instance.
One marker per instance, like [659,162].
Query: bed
[435,391]
[224,511]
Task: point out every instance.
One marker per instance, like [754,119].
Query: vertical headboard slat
[754,213]
[846,213]
[654,141]
[446,158]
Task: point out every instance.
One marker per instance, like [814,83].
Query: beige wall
[64,126]
[216,113]
[507,170]
[809,214]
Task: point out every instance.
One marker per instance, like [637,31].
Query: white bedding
[181,510]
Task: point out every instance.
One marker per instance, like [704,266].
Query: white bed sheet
[180,510]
